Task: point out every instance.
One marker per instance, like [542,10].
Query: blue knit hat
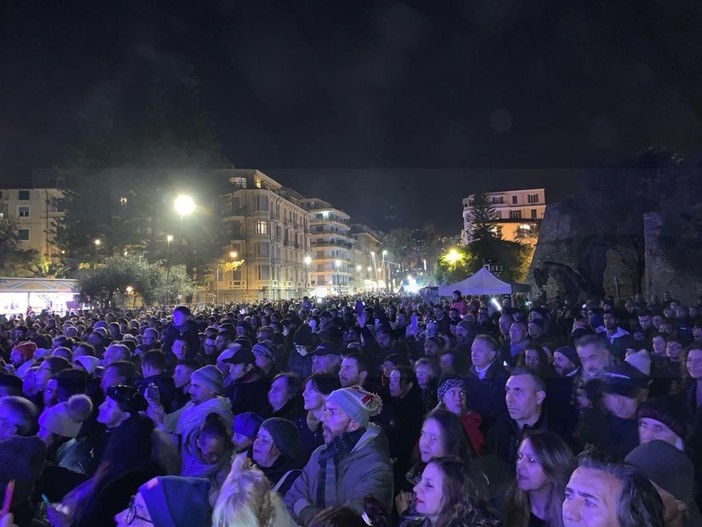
[176,501]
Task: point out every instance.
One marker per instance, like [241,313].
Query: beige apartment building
[519,214]
[367,272]
[331,248]
[269,234]
[35,209]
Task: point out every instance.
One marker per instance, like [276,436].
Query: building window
[24,234]
[264,272]
[23,195]
[515,200]
[238,182]
[515,214]
[498,214]
[261,227]
[532,198]
[262,203]
[263,249]
[498,200]
[23,211]
[533,214]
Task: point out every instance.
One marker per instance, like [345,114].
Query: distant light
[337,263]
[233,254]
[385,252]
[129,289]
[495,303]
[369,268]
[307,260]
[358,268]
[97,243]
[169,238]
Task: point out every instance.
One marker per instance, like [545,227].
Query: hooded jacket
[366,470]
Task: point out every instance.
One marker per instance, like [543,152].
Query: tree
[512,258]
[453,266]
[482,219]
[14,261]
[107,286]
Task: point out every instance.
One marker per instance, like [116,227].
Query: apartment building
[367,271]
[518,214]
[269,234]
[35,209]
[331,248]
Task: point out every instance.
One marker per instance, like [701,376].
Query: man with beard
[561,403]
[353,463]
[596,359]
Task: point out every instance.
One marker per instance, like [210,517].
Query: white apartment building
[270,239]
[331,248]
[518,212]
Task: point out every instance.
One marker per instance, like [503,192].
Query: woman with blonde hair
[247,500]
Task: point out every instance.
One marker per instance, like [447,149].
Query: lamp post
[96,243]
[184,205]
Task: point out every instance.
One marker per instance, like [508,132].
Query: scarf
[335,451]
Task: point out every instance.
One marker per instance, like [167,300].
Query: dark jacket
[612,435]
[189,331]
[248,394]
[487,395]
[166,389]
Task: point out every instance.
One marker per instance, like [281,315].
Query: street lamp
[184,205]
[97,243]
[233,255]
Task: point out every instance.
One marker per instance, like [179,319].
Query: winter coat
[366,470]
[487,395]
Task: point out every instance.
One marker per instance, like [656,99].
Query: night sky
[383,108]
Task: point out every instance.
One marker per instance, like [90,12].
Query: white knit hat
[66,419]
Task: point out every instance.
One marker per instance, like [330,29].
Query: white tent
[484,283]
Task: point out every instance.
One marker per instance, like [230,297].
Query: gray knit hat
[358,404]
[667,467]
[210,377]
[286,436]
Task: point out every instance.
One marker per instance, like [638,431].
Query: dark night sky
[373,104]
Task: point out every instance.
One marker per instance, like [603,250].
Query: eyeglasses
[132,515]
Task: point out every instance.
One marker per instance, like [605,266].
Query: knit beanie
[641,361]
[26,348]
[266,349]
[358,404]
[668,410]
[570,354]
[210,377]
[286,436]
[247,424]
[667,467]
[66,419]
[449,383]
[177,501]
[88,362]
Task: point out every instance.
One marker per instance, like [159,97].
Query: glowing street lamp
[233,255]
[97,242]
[453,256]
[184,205]
[307,260]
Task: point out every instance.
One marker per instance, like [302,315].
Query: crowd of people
[355,411]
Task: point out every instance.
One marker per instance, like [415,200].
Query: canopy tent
[484,283]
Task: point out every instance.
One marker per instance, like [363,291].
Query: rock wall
[660,276]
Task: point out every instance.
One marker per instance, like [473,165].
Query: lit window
[23,211]
[261,227]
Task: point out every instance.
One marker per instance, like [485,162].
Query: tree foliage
[453,269]
[482,219]
[154,283]
[15,261]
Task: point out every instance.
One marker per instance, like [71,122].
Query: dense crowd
[355,411]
